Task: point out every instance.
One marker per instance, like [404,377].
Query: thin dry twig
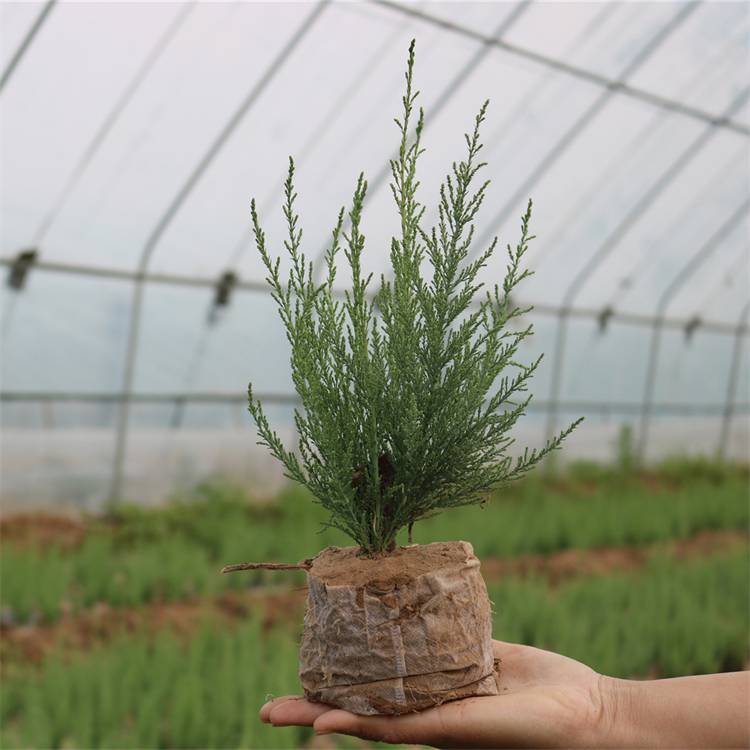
[302,565]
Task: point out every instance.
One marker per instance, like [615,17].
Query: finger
[265,710]
[417,728]
[293,711]
[296,712]
[510,720]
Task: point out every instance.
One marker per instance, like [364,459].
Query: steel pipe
[687,271]
[453,85]
[131,355]
[603,408]
[613,240]
[260,287]
[574,71]
[734,371]
[23,48]
[109,121]
[591,112]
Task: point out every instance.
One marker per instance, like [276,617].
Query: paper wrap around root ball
[401,633]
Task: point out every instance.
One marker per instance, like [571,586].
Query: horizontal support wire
[260,287]
[598,407]
[119,274]
[561,66]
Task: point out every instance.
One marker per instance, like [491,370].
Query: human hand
[546,700]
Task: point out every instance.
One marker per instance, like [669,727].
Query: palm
[546,700]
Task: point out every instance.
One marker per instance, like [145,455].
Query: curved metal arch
[689,210]
[246,240]
[581,123]
[525,102]
[518,111]
[165,221]
[448,91]
[174,85]
[574,71]
[445,96]
[613,240]
[631,148]
[734,372]
[740,261]
[503,27]
[104,129]
[635,213]
[23,48]
[688,270]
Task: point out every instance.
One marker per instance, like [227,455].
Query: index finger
[292,710]
[449,725]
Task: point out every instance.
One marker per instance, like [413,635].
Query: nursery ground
[119,631]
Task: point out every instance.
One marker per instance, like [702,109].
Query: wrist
[695,711]
[616,724]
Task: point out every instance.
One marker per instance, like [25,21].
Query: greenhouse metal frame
[30,259]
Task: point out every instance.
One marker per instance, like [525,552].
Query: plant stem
[302,565]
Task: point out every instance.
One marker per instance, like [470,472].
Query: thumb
[416,728]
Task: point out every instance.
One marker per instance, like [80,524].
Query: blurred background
[134,313]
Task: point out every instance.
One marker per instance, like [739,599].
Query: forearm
[706,711]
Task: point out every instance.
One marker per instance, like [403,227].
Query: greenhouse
[136,309]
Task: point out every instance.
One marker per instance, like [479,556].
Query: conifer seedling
[409,390]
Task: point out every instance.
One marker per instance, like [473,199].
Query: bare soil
[275,606]
[347,566]
[68,530]
[102,623]
[559,567]
[42,529]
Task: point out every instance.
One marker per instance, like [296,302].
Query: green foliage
[407,408]
[672,618]
[626,453]
[582,515]
[166,554]
[144,692]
